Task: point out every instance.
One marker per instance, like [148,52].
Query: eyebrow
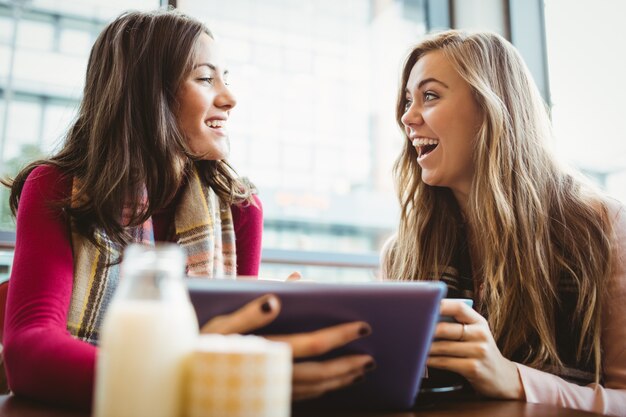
[426,81]
[211,66]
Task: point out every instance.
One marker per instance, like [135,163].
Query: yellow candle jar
[236,375]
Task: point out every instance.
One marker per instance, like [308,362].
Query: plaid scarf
[203,227]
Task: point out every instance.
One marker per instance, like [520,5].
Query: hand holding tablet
[402,317]
[313,378]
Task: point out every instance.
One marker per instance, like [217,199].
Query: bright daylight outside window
[314,125]
[314,128]
[44,45]
[587,67]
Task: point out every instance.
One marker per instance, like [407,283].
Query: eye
[429,96]
[208,80]
[407,104]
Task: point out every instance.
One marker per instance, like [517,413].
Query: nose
[412,117]
[225,99]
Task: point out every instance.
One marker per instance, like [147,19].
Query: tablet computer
[402,315]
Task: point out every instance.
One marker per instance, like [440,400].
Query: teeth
[216,123]
[424,141]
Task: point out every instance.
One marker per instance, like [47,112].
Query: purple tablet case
[402,315]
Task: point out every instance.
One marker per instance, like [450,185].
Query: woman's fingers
[459,332]
[294,276]
[312,379]
[460,311]
[313,372]
[469,348]
[324,340]
[458,349]
[458,365]
[257,313]
[307,391]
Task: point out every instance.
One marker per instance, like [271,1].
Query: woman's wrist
[517,391]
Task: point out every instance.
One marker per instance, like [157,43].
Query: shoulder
[45,184]
[47,178]
[616,212]
[249,209]
[385,254]
[388,246]
[602,208]
[248,214]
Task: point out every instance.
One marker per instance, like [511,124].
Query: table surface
[15,407]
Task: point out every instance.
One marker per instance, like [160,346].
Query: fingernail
[358,379]
[266,307]
[370,366]
[365,331]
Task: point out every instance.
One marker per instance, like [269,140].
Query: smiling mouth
[215,124]
[425,146]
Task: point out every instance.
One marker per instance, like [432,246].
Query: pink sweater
[43,361]
[542,387]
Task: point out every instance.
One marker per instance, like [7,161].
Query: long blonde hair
[536,222]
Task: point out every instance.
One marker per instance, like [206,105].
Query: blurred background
[316,82]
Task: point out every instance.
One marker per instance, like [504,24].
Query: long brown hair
[126,136]
[536,221]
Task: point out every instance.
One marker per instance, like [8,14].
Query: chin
[215,153]
[428,180]
[215,156]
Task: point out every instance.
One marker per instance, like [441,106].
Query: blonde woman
[485,208]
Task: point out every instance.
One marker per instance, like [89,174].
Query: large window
[44,46]
[314,129]
[588,87]
[314,126]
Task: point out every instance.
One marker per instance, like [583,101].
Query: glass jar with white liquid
[146,338]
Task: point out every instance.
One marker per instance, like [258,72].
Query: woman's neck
[462,199]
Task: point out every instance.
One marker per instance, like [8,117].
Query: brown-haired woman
[143,162]
[486,209]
